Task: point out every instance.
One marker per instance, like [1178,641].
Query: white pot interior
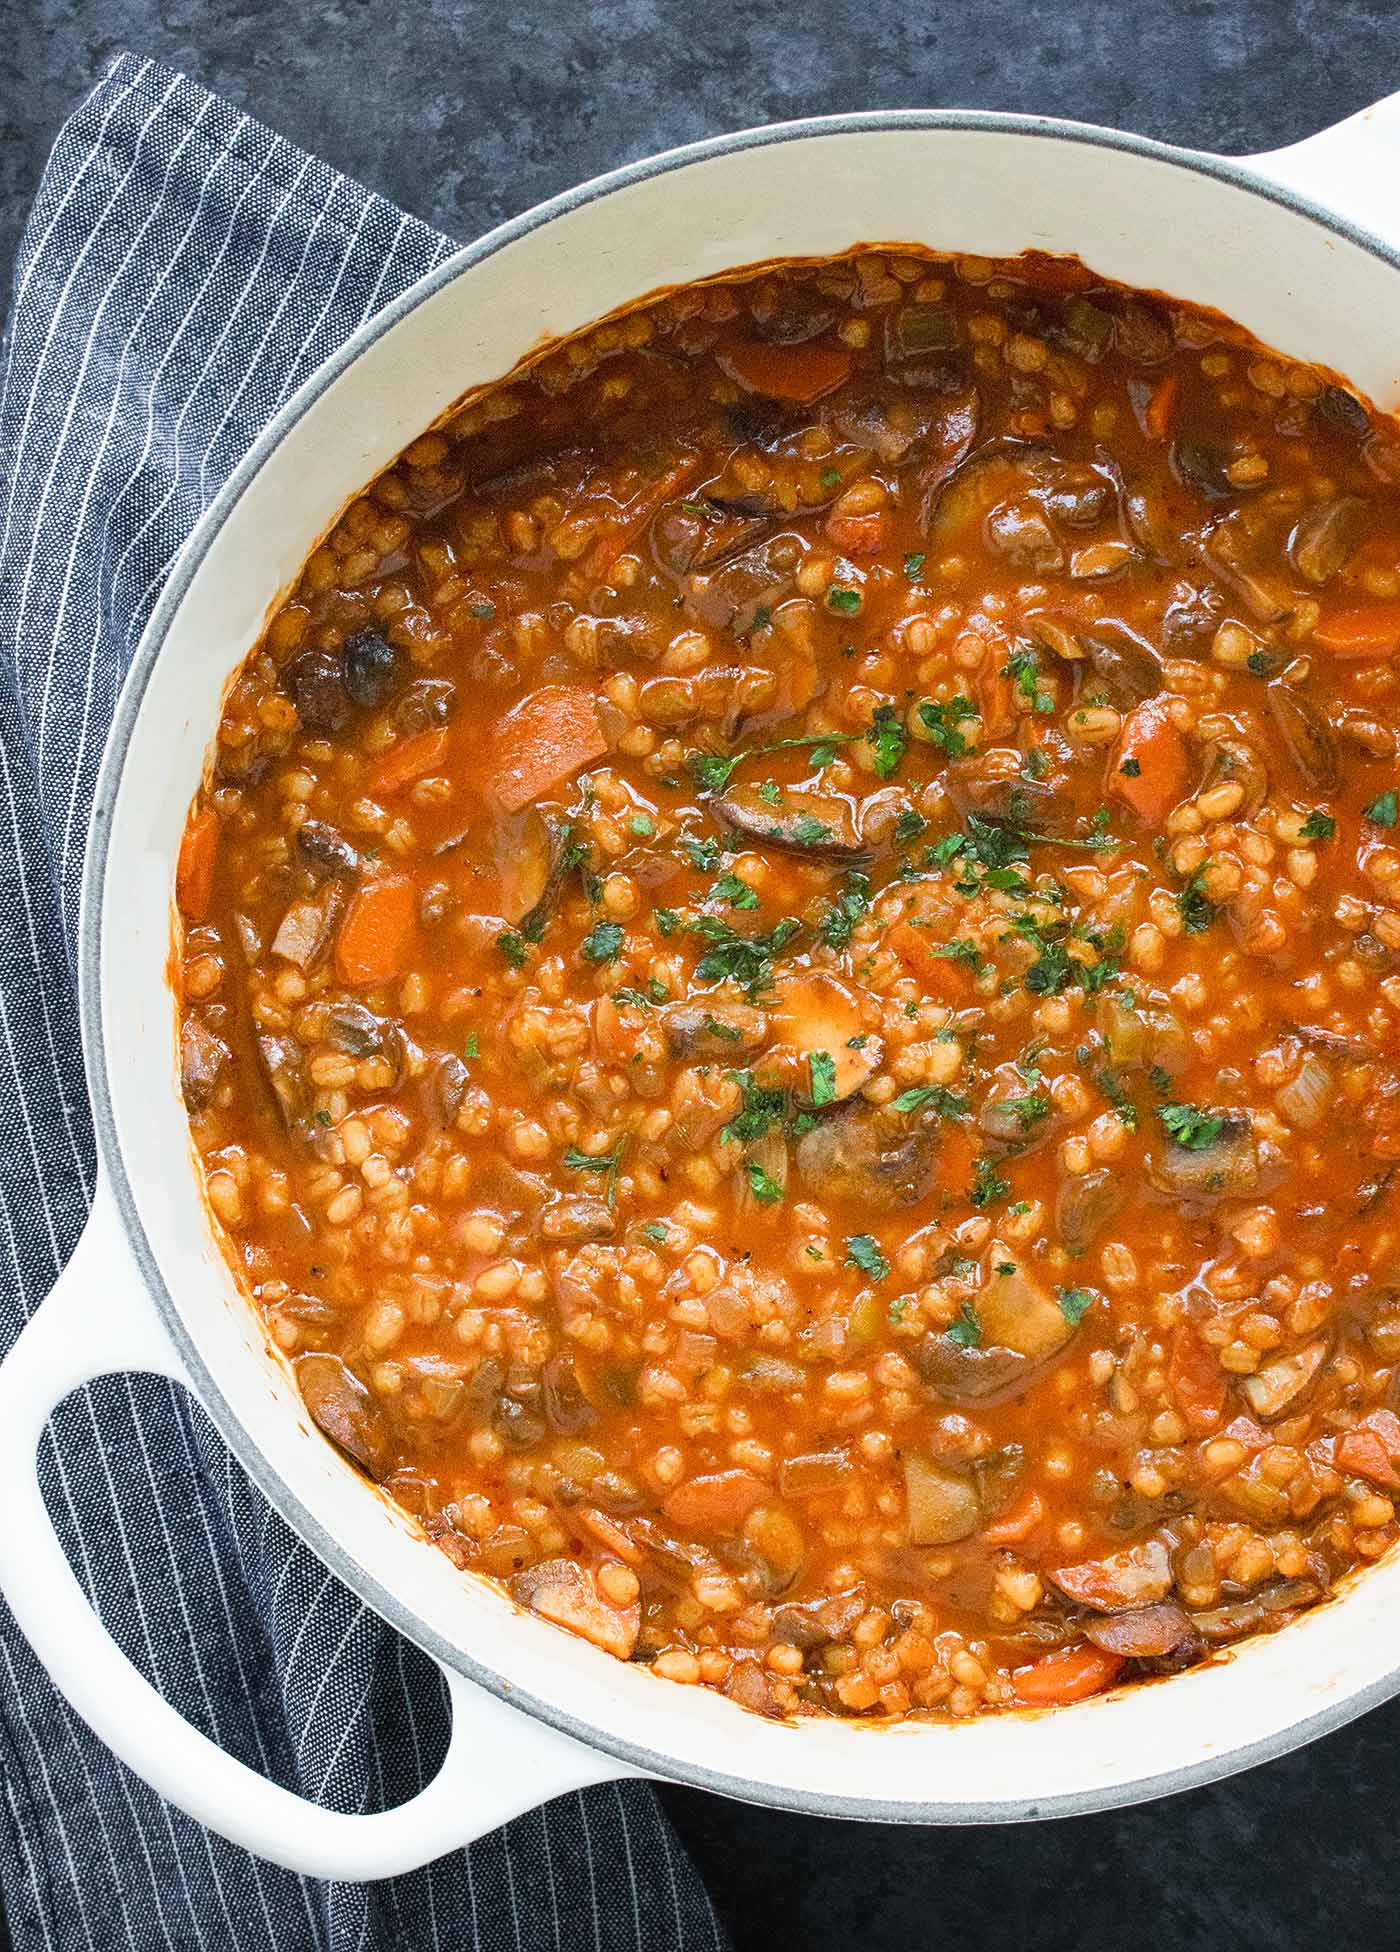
[1132,214]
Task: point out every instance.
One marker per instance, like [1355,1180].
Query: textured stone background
[468,112]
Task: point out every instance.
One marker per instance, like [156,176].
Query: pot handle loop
[1353,168]
[99,1320]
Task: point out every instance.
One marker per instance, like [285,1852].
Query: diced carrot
[857,535]
[631,519]
[1155,754]
[1157,415]
[719,1502]
[1246,1431]
[1072,1675]
[1361,1452]
[803,373]
[1362,630]
[609,1533]
[409,759]
[377,937]
[1018,1523]
[194,871]
[939,976]
[543,740]
[1196,1380]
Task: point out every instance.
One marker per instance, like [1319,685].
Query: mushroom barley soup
[789,982]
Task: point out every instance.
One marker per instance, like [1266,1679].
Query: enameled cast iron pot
[1293,245]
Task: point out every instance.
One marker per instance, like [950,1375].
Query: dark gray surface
[467,113]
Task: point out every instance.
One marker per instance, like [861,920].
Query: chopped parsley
[762,1109]
[712,772]
[603,942]
[1027,1110]
[667,921]
[1195,907]
[843,599]
[965,1329]
[888,740]
[644,996]
[323,1117]
[1111,1086]
[946,1103]
[743,959]
[807,830]
[1193,1130]
[941,721]
[703,855]
[762,1185]
[642,825]
[471,1048]
[1383,810]
[831,477]
[655,1232]
[1318,826]
[963,950]
[1131,768]
[770,793]
[1024,667]
[863,1252]
[913,564]
[482,610]
[821,1068]
[729,888]
[908,827]
[513,947]
[1075,1304]
[987,1183]
[598,1162]
[838,924]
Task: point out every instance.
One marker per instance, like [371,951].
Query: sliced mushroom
[567,1410]
[748,1686]
[1226,1169]
[1306,734]
[1325,539]
[1124,665]
[815,1017]
[816,825]
[281,1061]
[352,1028]
[324,850]
[202,1059]
[1233,549]
[1144,1633]
[447,1087]
[315,682]
[960,1374]
[1016,1313]
[371,663]
[713,1030]
[575,1217]
[560,1590]
[1141,1576]
[986,474]
[853,1154]
[1078,497]
[1202,467]
[343,1408]
[1085,1204]
[728,596]
[1278,1383]
[306,930]
[1020,532]
[942,1505]
[531,859]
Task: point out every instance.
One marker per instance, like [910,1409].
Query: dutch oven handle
[99,1321]
[1353,168]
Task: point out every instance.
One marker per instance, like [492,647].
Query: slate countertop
[467,111]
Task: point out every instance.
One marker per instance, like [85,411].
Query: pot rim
[655,1762]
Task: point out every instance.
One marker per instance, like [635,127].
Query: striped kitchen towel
[182,272]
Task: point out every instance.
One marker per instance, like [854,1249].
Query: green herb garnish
[1075,1304]
[1193,1130]
[762,1185]
[602,943]
[821,1070]
[863,1252]
[965,1329]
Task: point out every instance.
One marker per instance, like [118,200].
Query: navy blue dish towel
[182,272]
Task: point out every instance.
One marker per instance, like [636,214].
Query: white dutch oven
[1292,245]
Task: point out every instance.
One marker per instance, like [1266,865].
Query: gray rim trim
[278,1493]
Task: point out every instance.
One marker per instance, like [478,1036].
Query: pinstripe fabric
[182,272]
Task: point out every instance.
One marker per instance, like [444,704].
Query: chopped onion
[1304,1100]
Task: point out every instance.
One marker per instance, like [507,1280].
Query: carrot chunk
[938,976]
[803,373]
[542,740]
[1071,1675]
[857,535]
[1154,753]
[380,929]
[719,1502]
[1361,630]
[410,759]
[194,871]
[1196,1380]
[1018,1523]
[630,520]
[1363,1454]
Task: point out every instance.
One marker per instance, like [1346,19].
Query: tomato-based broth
[789,970]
